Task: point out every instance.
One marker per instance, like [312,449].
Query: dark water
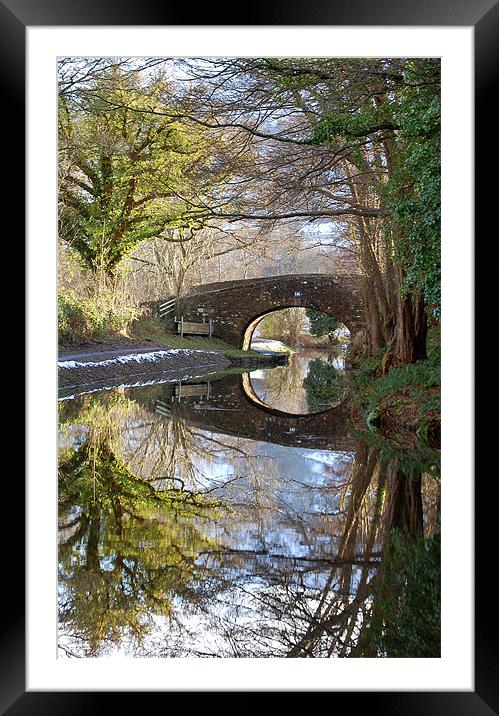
[195,521]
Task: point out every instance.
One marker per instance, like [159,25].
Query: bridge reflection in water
[231,406]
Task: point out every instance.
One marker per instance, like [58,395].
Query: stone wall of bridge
[235,306]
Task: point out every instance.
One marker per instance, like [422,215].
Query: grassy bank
[405,403]
[150,328]
[101,321]
[99,316]
[94,309]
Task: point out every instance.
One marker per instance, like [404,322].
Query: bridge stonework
[236,306]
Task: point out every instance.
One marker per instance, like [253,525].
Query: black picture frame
[483,15]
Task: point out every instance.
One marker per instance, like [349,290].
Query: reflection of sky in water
[280,498]
[280,505]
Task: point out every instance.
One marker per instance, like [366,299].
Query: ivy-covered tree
[392,124]
[129,175]
[413,191]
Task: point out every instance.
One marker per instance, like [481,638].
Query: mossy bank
[404,404]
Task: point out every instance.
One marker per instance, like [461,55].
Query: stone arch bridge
[235,307]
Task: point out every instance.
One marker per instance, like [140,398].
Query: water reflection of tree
[304,385]
[377,596]
[140,541]
[127,548]
[325,385]
[395,611]
[283,387]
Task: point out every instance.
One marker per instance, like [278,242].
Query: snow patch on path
[269,345]
[151,357]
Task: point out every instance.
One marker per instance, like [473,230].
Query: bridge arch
[252,325]
[233,306]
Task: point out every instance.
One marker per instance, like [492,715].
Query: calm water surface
[312,381]
[237,516]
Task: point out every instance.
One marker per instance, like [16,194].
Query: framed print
[176,624]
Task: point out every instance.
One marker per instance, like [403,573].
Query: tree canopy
[127,175]
[249,149]
[321,324]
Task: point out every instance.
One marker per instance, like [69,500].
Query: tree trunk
[373,322]
[409,340]
[410,330]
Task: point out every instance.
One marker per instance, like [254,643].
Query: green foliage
[97,316]
[124,173]
[285,324]
[353,125]
[433,345]
[417,378]
[422,374]
[409,388]
[406,613]
[321,324]
[72,320]
[372,420]
[399,106]
[325,385]
[413,191]
[410,397]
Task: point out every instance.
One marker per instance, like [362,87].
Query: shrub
[100,315]
[71,319]
[410,389]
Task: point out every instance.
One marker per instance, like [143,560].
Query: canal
[243,515]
